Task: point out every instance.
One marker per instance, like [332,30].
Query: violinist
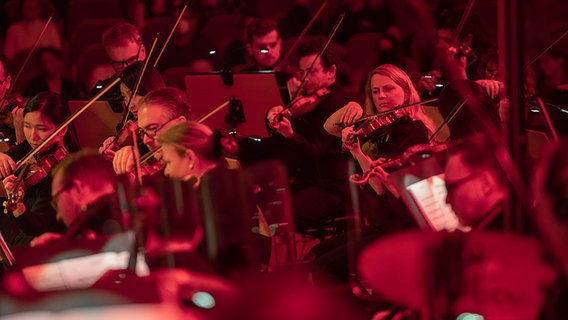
[84,196]
[158,110]
[30,213]
[151,80]
[387,88]
[314,158]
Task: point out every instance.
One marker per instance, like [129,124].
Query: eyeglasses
[127,62]
[55,196]
[152,132]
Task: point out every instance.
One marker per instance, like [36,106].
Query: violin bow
[27,59]
[451,116]
[171,34]
[386,112]
[301,36]
[139,79]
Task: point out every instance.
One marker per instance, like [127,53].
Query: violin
[123,138]
[410,156]
[32,173]
[375,125]
[304,104]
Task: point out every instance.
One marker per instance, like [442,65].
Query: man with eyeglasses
[158,110]
[123,45]
[477,188]
[83,192]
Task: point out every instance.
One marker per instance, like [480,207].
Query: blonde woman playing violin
[387,88]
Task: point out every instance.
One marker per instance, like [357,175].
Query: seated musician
[314,158]
[387,87]
[193,153]
[158,110]
[84,195]
[130,76]
[28,211]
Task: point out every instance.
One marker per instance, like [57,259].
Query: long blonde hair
[401,79]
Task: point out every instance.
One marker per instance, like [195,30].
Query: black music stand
[258,91]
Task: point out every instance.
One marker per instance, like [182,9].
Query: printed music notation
[429,195]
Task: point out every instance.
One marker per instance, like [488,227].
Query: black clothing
[39,216]
[315,161]
[385,214]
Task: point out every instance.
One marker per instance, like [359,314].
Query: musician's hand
[280,124]
[349,139]
[492,87]
[45,238]
[428,81]
[8,182]
[353,111]
[7,165]
[123,161]
[105,149]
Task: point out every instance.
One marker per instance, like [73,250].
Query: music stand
[423,191]
[96,123]
[257,91]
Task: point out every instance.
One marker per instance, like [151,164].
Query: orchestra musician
[150,80]
[83,192]
[158,110]
[31,214]
[193,153]
[123,45]
[189,151]
[314,158]
[387,88]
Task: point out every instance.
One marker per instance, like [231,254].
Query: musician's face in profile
[266,50]
[319,77]
[63,197]
[37,127]
[386,94]
[178,165]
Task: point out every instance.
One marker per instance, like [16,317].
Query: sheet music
[429,195]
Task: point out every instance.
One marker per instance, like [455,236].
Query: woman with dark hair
[28,208]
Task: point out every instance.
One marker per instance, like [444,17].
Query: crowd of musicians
[187,191]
